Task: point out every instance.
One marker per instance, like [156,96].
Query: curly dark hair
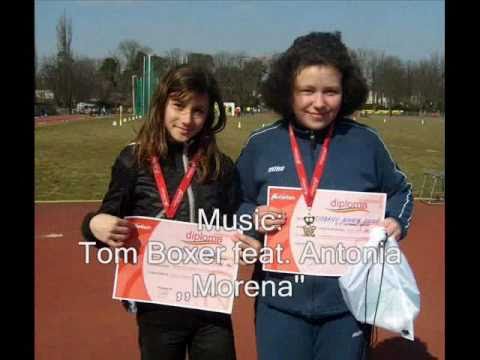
[316,48]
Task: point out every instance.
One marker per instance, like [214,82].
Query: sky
[410,30]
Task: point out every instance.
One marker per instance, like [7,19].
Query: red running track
[59,119]
[75,317]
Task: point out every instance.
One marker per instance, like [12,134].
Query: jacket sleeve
[394,183]
[245,184]
[230,196]
[116,201]
[228,193]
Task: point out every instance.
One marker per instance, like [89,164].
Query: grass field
[73,160]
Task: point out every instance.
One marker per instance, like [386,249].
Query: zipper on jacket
[312,138]
[312,146]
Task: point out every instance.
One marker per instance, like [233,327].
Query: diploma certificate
[172,256]
[329,238]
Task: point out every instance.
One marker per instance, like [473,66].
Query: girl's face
[185,119]
[317,96]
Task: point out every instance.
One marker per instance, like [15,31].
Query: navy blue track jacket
[358,160]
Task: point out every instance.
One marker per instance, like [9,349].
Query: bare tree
[200,59]
[409,79]
[240,58]
[35,63]
[47,74]
[110,70]
[130,55]
[86,79]
[64,87]
[176,56]
[108,78]
[221,59]
[371,64]
[253,72]
[128,50]
[429,89]
[64,36]
[393,80]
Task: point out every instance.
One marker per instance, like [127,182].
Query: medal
[309,191]
[309,229]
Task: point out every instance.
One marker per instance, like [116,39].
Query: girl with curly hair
[315,85]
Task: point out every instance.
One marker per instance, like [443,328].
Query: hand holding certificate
[179,265]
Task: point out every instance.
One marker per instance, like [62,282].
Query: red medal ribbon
[309,192]
[171,208]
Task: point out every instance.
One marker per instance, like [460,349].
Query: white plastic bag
[392,303]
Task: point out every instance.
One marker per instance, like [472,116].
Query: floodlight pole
[149,77]
[144,86]
[133,95]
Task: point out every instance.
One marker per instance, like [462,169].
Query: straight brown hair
[181,82]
